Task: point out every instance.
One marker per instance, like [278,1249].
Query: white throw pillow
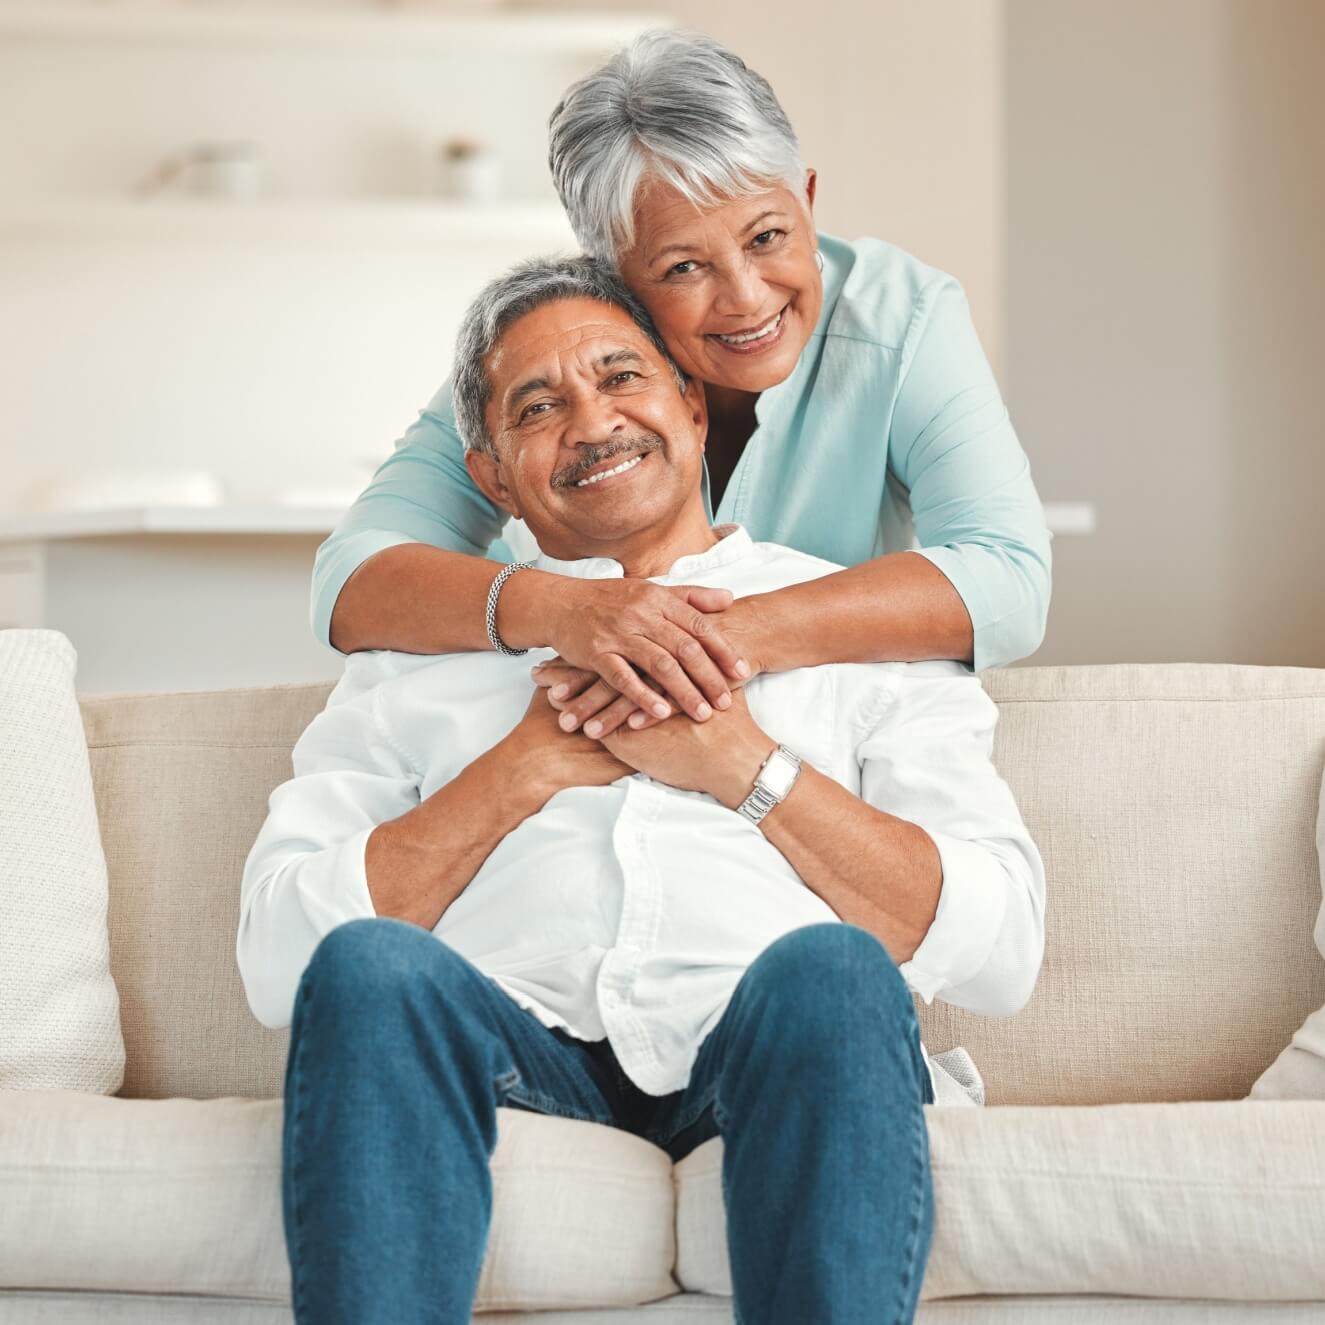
[60,1018]
[1299,1072]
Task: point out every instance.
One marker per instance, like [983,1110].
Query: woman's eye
[765,237]
[675,269]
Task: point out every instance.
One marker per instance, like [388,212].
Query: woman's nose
[740,291]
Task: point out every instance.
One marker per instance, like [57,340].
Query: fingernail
[567,722]
[724,700]
[661,710]
[636,720]
[559,692]
[593,728]
[742,667]
[704,711]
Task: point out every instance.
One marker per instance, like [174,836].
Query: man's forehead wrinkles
[543,360]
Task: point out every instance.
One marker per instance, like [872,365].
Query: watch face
[779,773]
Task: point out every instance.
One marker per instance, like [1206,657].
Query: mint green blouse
[890,434]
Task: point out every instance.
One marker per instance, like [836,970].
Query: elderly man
[685,929]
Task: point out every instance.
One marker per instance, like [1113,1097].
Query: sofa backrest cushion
[1174,805]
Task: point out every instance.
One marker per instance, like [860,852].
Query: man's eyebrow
[526,389]
[617,357]
[682,248]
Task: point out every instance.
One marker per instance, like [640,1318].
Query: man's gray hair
[503,301]
[674,106]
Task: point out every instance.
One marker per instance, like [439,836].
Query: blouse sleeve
[976,512]
[421,493]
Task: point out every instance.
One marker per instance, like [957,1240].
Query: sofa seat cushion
[184,1196]
[1203,1199]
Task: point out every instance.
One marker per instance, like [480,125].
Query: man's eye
[532,409]
[623,376]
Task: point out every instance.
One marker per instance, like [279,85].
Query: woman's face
[734,289]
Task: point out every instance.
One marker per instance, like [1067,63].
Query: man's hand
[554,759]
[721,757]
[589,699]
[618,632]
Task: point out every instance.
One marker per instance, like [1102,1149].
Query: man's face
[578,392]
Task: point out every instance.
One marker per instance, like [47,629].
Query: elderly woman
[852,415]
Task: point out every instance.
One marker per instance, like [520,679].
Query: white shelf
[395,29]
[331,220]
[255,518]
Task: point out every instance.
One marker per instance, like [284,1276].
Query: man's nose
[594,419]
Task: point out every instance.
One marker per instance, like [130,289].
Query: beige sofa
[1117,1173]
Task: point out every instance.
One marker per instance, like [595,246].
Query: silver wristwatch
[777,775]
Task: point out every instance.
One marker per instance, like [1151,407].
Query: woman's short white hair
[675,106]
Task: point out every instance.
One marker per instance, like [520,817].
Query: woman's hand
[591,702]
[616,632]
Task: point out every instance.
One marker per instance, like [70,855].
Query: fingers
[563,680]
[691,617]
[698,666]
[708,600]
[618,678]
[607,720]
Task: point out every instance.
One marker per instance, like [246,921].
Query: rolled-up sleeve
[927,758]
[421,493]
[305,873]
[975,509]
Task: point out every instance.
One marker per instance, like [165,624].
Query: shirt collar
[733,543]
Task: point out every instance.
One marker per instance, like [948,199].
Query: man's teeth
[767,330]
[607,473]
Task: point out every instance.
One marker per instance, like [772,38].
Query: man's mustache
[595,455]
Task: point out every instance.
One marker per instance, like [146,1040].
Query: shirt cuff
[971,590]
[972,903]
[341,559]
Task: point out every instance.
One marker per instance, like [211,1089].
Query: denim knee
[820,971]
[367,963]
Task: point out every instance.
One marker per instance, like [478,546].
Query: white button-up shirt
[630,911]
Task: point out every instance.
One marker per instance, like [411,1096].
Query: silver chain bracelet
[491,615]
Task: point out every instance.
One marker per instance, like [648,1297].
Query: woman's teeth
[607,473]
[766,330]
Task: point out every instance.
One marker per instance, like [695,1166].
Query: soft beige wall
[1166,319]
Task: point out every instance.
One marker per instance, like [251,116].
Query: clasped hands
[631,655]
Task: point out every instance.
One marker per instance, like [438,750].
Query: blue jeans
[401,1051]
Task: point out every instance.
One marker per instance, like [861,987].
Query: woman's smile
[757,340]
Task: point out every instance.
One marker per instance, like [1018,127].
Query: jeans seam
[298,1287]
[545,1104]
[710,1098]
[912,1240]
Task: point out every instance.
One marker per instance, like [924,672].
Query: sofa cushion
[1299,1071]
[1211,1199]
[60,1018]
[1174,806]
[184,1196]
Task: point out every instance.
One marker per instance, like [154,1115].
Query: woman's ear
[486,473]
[811,179]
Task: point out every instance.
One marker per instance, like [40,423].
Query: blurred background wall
[1133,195]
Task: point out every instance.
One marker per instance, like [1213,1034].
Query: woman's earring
[819,258]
